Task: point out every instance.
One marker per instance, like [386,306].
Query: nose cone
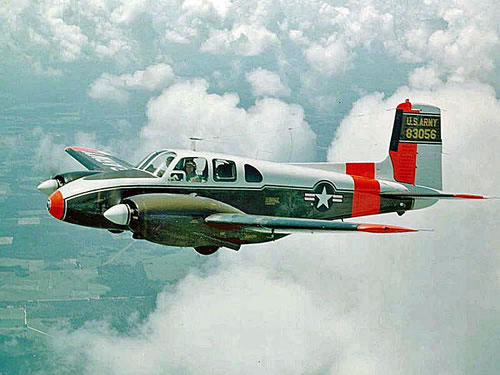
[119,214]
[48,187]
[55,205]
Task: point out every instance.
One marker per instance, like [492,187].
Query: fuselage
[279,189]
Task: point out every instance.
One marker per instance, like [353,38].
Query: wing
[287,224]
[97,160]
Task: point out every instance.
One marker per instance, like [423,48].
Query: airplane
[208,201]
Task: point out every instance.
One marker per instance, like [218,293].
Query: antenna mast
[193,142]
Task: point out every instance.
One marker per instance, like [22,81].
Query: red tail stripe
[404,162]
[360,169]
[366,197]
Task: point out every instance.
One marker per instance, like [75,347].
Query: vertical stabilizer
[416,147]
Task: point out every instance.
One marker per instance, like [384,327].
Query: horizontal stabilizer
[433,195]
[293,224]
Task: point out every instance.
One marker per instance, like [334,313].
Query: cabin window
[159,165]
[224,170]
[252,174]
[190,170]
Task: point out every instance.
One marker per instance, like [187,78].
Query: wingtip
[470,196]
[84,149]
[382,228]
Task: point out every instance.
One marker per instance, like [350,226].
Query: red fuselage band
[366,197]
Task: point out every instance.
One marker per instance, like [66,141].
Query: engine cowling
[49,186]
[170,219]
[66,178]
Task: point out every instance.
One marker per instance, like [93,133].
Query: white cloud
[266,83]
[434,34]
[200,7]
[69,37]
[46,72]
[331,58]
[245,40]
[424,78]
[49,157]
[116,88]
[128,11]
[187,110]
[113,49]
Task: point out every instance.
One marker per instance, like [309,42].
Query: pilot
[190,169]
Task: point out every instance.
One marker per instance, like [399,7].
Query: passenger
[191,175]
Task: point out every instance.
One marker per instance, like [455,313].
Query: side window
[224,170]
[190,170]
[252,174]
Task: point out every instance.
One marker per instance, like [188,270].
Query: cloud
[116,88]
[458,40]
[46,72]
[424,78]
[49,157]
[330,59]
[271,129]
[245,40]
[266,83]
[179,335]
[128,11]
[200,7]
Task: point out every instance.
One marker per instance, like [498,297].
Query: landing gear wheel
[206,250]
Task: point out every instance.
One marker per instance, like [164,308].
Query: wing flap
[97,160]
[293,224]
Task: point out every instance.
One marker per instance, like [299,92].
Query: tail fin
[416,147]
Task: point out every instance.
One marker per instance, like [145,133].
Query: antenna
[193,142]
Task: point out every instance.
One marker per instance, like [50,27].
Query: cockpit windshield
[157,162]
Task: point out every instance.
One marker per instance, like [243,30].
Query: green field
[11,318]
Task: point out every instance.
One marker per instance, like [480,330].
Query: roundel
[323,196]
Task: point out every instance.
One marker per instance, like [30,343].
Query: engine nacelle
[49,186]
[165,218]
[66,178]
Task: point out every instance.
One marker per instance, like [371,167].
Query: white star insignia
[323,198]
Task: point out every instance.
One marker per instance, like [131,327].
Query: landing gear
[206,250]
